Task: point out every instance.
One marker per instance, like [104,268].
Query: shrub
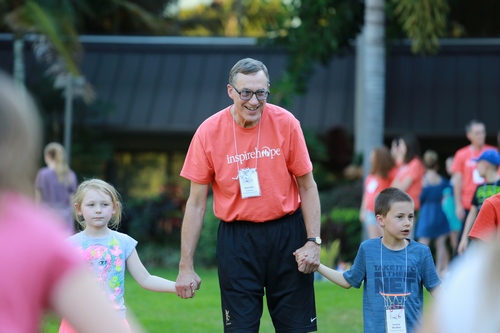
[205,252]
[156,224]
[340,217]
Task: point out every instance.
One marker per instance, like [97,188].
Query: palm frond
[154,23]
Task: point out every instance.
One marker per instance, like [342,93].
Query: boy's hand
[300,257]
[307,258]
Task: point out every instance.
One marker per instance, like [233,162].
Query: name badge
[249,183]
[395,321]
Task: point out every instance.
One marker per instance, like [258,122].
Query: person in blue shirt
[390,265]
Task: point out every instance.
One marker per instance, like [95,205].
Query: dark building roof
[438,95]
[174,86]
[169,85]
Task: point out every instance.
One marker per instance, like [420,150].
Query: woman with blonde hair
[56,184]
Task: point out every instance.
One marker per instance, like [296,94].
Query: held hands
[307,257]
[187,284]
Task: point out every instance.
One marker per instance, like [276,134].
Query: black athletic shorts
[256,259]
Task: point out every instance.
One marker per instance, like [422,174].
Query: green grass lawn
[338,309]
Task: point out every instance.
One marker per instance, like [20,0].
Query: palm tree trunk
[19,68]
[359,102]
[68,115]
[374,63]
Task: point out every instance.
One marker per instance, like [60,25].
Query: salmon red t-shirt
[464,163]
[373,185]
[35,259]
[414,170]
[486,226]
[275,147]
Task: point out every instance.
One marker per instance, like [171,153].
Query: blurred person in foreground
[255,157]
[40,271]
[468,300]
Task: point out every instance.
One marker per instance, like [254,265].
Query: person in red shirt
[465,175]
[380,177]
[254,157]
[487,224]
[410,173]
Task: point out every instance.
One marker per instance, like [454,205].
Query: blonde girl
[108,252]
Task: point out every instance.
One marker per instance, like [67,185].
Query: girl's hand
[300,257]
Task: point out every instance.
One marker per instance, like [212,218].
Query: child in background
[487,167]
[432,222]
[380,177]
[449,209]
[56,184]
[393,264]
[108,252]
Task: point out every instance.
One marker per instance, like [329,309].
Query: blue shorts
[256,259]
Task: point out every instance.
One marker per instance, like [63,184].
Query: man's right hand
[187,283]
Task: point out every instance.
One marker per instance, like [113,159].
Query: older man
[254,156]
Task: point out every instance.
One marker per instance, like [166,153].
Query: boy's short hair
[389,196]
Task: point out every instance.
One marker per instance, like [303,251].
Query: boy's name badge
[395,321]
[249,183]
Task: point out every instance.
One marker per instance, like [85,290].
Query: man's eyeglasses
[246,94]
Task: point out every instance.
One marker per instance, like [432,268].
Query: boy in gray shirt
[394,269]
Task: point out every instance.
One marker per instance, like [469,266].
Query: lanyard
[236,147]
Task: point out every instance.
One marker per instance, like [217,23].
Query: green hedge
[340,218]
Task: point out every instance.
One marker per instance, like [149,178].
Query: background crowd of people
[446,203]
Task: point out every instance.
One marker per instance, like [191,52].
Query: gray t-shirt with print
[384,270]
